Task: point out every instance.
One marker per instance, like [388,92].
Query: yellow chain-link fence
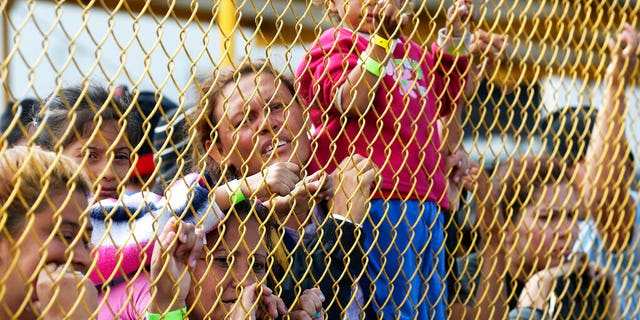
[342,159]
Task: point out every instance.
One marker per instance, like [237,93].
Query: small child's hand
[309,306]
[486,49]
[391,19]
[457,168]
[623,56]
[458,17]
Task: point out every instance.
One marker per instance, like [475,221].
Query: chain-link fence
[331,160]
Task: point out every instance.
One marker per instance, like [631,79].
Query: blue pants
[406,267]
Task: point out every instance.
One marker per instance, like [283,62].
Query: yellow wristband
[374,67]
[381,42]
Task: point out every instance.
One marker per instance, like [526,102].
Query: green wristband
[235,192]
[374,67]
[171,315]
[237,196]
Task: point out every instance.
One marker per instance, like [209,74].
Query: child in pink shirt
[375,92]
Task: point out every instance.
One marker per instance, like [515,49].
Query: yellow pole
[227,21]
[5,53]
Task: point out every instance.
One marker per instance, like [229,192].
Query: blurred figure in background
[17,121]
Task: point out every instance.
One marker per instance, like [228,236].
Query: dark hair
[26,111]
[246,207]
[568,132]
[171,141]
[519,181]
[72,112]
[150,106]
[212,97]
[254,209]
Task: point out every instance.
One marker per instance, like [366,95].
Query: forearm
[357,92]
[451,130]
[607,182]
[491,297]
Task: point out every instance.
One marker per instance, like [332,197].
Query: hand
[277,179]
[354,178]
[459,16]
[63,294]
[540,285]
[623,56]
[390,18]
[486,49]
[311,190]
[309,306]
[269,304]
[457,167]
[178,247]
[489,219]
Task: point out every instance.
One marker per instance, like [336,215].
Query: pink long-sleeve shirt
[399,133]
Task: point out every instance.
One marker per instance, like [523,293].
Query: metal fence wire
[334,159]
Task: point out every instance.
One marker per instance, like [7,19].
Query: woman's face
[106,158]
[44,238]
[263,124]
[544,235]
[236,258]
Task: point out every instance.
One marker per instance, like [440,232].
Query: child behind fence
[375,92]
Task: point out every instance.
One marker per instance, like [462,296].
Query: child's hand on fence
[486,50]
[458,17]
[309,306]
[353,180]
[624,56]
[178,247]
[457,167]
[65,294]
[390,17]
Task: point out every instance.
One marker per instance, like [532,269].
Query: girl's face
[236,258]
[259,124]
[105,157]
[43,239]
[544,235]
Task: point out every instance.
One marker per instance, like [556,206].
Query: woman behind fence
[252,128]
[44,248]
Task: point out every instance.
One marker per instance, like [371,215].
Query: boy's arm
[355,94]
[608,172]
